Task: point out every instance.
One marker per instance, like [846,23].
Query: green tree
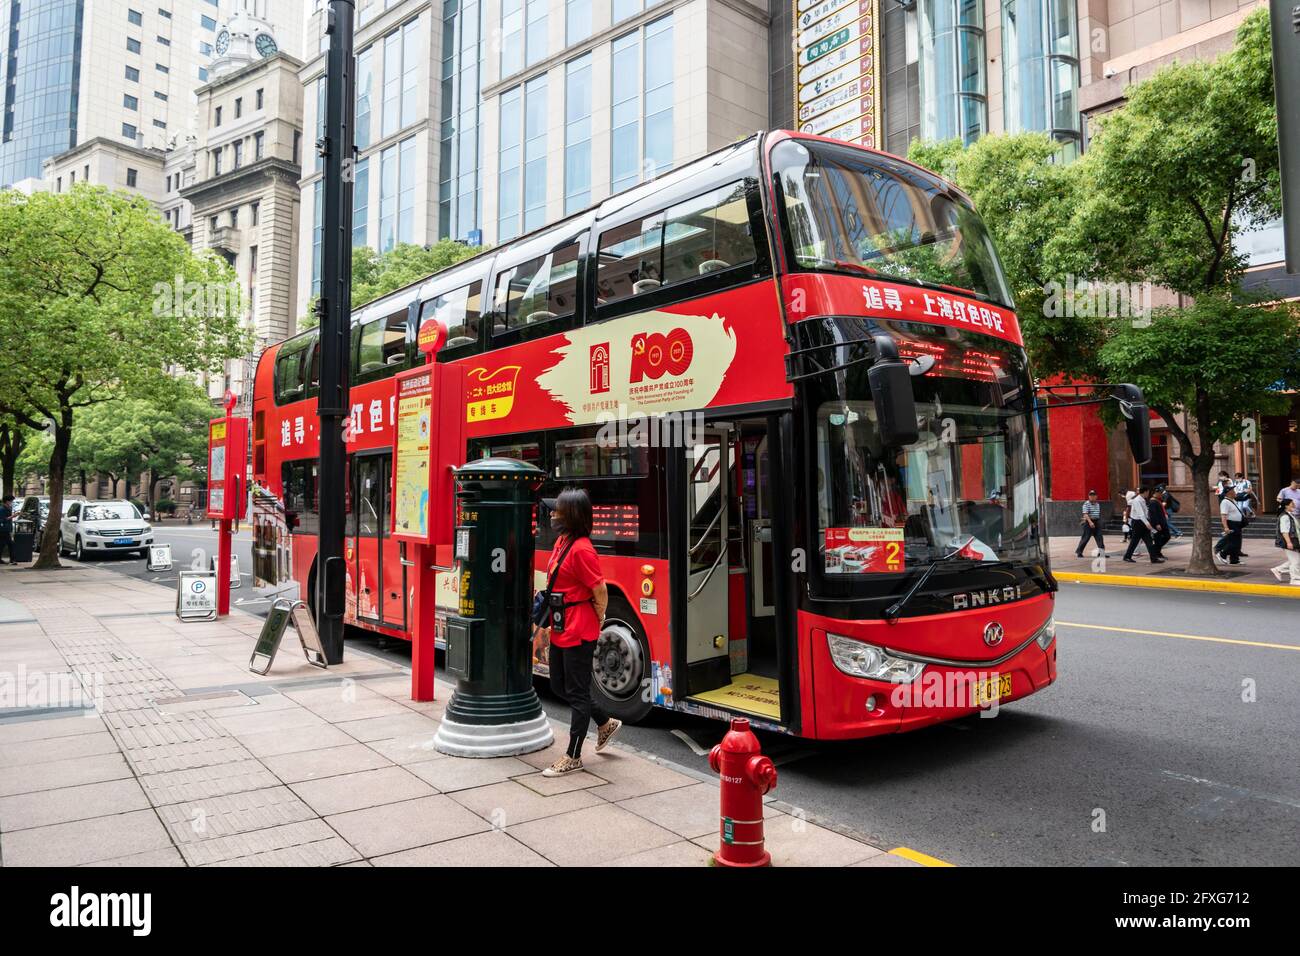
[14,438]
[102,300]
[1026,193]
[151,438]
[377,274]
[1169,185]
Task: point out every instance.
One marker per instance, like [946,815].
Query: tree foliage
[1169,184]
[102,300]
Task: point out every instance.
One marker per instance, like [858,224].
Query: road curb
[1192,584]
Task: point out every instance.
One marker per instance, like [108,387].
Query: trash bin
[24,540]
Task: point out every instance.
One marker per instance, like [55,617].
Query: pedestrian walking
[1222,486]
[1126,525]
[1172,505]
[1159,521]
[1245,495]
[1288,539]
[7,529]
[1289,492]
[577,597]
[1140,523]
[1228,548]
[1091,522]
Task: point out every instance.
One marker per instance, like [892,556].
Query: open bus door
[725,652]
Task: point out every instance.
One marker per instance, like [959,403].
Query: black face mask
[557,522]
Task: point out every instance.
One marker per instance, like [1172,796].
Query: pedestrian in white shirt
[1228,548]
[1140,523]
[1288,539]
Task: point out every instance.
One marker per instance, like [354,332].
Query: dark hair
[1143,490]
[574,508]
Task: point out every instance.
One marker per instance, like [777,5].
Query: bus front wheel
[620,672]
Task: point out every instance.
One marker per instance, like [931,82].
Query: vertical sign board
[429,440]
[227,466]
[836,57]
[412,458]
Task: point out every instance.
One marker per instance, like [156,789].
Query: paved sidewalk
[1252,576]
[185,758]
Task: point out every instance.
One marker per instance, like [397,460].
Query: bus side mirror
[1137,420]
[891,391]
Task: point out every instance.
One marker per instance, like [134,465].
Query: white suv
[103,526]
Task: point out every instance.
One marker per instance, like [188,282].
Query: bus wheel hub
[618,665]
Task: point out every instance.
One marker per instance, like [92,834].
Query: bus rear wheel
[620,670]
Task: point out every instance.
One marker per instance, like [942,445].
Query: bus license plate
[991,690]
[121,540]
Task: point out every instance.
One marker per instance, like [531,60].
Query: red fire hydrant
[746,776]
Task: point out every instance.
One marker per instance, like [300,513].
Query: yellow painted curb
[1189,584]
[925,860]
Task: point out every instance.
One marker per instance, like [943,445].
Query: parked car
[37,508]
[91,527]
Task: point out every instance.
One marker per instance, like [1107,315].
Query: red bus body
[761,476]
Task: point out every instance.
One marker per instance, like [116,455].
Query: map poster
[411,456]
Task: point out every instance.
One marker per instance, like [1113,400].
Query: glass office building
[41,44]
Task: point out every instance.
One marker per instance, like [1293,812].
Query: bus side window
[383,343]
[313,364]
[288,373]
[707,234]
[458,312]
[538,290]
[629,261]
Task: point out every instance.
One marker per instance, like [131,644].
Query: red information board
[227,467]
[428,441]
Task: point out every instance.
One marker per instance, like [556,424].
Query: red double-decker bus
[791,379]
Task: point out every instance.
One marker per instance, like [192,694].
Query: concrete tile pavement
[1252,575]
[169,752]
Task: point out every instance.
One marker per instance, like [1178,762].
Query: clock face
[266,44]
[223,42]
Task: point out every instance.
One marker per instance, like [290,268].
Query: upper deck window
[707,234]
[458,311]
[383,343]
[538,290]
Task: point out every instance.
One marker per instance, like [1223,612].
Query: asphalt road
[1171,737]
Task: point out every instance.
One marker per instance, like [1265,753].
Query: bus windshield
[847,210]
[967,487]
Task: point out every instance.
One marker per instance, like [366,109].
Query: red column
[223,569]
[424,605]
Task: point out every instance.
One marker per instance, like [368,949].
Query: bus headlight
[859,659]
[1046,634]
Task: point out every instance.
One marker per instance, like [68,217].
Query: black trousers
[1140,534]
[1230,544]
[6,546]
[1161,538]
[571,682]
[1093,532]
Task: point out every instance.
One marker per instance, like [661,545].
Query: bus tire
[620,672]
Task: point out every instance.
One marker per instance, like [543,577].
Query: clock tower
[244,39]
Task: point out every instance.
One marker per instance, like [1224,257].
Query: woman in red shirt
[585,598]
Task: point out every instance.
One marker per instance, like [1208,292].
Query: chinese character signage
[227,467]
[864,550]
[411,457]
[837,49]
[428,441]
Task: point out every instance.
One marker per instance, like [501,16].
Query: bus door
[700,555]
[377,582]
[756,517]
